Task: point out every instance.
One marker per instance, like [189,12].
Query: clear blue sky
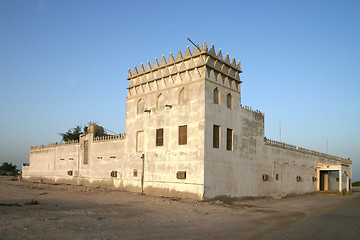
[64,63]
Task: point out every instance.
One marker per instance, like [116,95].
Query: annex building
[188,135]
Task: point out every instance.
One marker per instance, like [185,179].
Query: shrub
[356,184]
[32,202]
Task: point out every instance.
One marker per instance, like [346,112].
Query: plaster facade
[188,135]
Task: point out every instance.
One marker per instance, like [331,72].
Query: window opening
[183,135]
[216,136]
[229,139]
[159,137]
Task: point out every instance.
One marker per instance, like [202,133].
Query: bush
[10,204]
[32,202]
[356,184]
[8,169]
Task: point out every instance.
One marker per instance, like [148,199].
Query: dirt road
[80,212]
[340,220]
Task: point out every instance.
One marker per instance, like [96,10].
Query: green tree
[8,167]
[356,184]
[71,134]
[74,133]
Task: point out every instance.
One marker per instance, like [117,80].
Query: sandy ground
[79,212]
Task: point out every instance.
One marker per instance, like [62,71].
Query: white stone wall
[232,173]
[52,161]
[239,172]
[163,162]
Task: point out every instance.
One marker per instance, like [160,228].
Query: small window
[140,106]
[265,177]
[216,136]
[159,137]
[229,101]
[135,173]
[71,158]
[183,135]
[217,99]
[277,176]
[229,139]
[62,159]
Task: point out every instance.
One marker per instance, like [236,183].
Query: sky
[65,63]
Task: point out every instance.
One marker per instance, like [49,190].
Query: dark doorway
[324,180]
[329,180]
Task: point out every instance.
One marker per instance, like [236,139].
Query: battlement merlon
[182,63]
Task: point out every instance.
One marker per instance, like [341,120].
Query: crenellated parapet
[304,150]
[109,138]
[257,113]
[52,145]
[190,66]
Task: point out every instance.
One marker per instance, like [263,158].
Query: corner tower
[166,117]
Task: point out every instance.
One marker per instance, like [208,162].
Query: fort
[188,135]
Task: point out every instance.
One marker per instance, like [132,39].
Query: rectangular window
[159,137]
[229,139]
[139,141]
[216,136]
[183,135]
